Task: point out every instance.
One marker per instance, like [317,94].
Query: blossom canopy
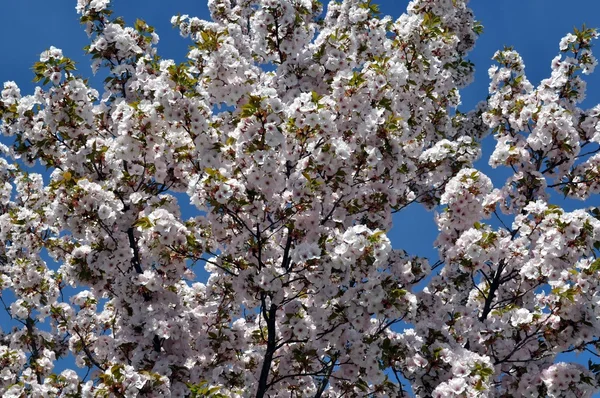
[296,131]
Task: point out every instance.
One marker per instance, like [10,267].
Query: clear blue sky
[533,27]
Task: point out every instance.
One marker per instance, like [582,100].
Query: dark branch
[269,317]
[496,280]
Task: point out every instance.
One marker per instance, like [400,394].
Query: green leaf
[397,293]
[594,267]
[143,223]
[252,107]
[357,79]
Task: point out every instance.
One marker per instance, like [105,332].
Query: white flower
[53,52]
[306,251]
[18,309]
[105,212]
[99,5]
[457,385]
[565,41]
[521,316]
[149,280]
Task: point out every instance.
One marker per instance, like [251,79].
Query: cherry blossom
[296,131]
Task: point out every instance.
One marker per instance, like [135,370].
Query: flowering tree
[297,137]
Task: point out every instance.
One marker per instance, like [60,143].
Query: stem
[135,260]
[35,353]
[325,380]
[487,308]
[269,317]
[285,263]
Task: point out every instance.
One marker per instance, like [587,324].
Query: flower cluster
[295,137]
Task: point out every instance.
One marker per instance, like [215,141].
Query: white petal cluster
[220,227]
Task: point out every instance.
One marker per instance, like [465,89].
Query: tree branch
[487,307]
[325,380]
[269,317]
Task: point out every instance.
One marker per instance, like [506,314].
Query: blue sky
[533,27]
